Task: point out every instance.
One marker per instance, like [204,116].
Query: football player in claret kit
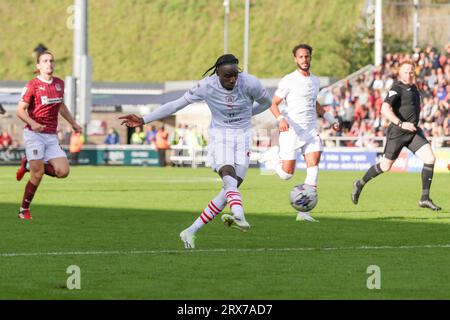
[39,106]
[295,107]
[230,95]
[402,108]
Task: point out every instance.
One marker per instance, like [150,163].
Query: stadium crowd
[358,103]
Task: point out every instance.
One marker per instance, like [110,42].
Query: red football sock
[49,170]
[30,190]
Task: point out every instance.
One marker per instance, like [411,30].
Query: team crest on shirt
[42,88]
[58,87]
[229,101]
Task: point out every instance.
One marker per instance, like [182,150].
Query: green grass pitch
[120,225]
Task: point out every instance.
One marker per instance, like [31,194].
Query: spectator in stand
[5,140]
[162,145]
[346,87]
[112,137]
[378,101]
[361,111]
[76,144]
[432,79]
[347,112]
[378,83]
[150,136]
[138,137]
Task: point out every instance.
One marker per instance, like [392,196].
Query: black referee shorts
[398,138]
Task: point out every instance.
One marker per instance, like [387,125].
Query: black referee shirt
[405,102]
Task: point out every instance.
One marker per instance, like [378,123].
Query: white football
[303,197]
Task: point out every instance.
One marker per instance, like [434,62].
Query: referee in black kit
[402,108]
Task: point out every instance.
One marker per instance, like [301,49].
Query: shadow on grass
[60,228]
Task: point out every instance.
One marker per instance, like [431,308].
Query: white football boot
[188,239]
[235,222]
[269,155]
[270,158]
[304,216]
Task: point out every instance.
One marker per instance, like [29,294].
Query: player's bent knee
[385,167]
[227,170]
[283,174]
[62,173]
[290,171]
[430,160]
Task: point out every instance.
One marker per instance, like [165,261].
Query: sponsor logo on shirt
[46,100]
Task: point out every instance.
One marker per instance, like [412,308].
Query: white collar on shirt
[46,81]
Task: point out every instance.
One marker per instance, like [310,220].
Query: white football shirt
[300,96]
[230,109]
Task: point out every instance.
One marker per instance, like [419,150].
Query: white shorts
[229,147]
[290,143]
[42,146]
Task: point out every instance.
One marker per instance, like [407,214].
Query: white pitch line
[132,252]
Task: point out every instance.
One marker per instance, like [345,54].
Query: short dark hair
[302,46]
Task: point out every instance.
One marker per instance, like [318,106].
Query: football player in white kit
[295,107]
[230,95]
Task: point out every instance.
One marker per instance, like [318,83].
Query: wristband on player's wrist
[400,123]
[280,117]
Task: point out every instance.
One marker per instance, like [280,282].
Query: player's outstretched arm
[65,113]
[132,120]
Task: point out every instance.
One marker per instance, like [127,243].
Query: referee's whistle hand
[409,126]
